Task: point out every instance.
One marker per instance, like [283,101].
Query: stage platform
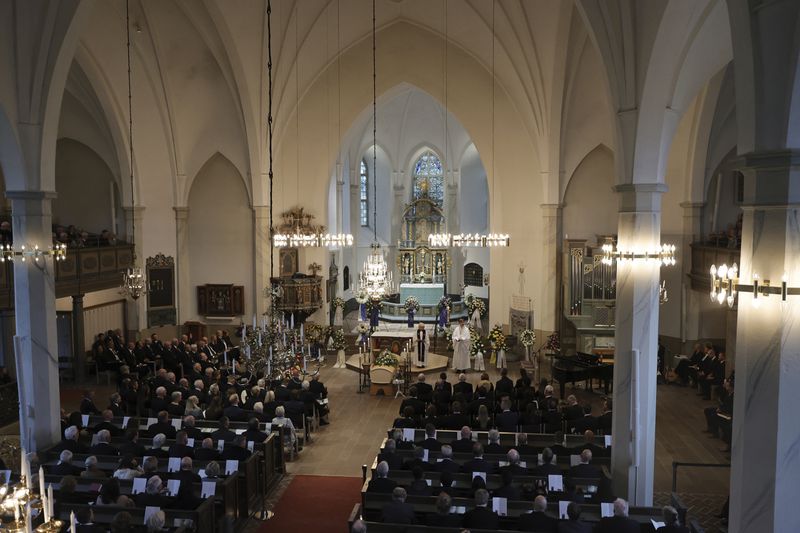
[436,364]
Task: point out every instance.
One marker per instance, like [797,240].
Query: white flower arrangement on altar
[362,328]
[527,337]
[362,297]
[338,302]
[477,343]
[476,303]
[412,304]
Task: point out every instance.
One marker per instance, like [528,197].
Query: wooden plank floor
[358,423]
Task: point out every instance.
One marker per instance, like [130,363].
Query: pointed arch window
[429,167]
[363,195]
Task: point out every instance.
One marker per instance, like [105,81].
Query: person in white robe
[421,342]
[461,345]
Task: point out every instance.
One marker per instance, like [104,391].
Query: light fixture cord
[494,170]
[374,132]
[130,126]
[269,127]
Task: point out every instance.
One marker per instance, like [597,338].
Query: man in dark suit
[191,431]
[573,523]
[584,470]
[64,467]
[103,446]
[108,425]
[115,405]
[253,433]
[586,421]
[379,482]
[418,486]
[481,517]
[84,522]
[523,447]
[131,445]
[506,419]
[176,407]
[464,444]
[317,388]
[481,398]
[223,433]
[538,520]
[442,393]
[156,450]
[417,461]
[494,446]
[430,443]
[237,451]
[447,464]
[504,385]
[619,523]
[153,496]
[233,411]
[588,444]
[207,451]
[87,404]
[408,420]
[463,387]
[414,402]
[455,420]
[477,463]
[558,447]
[547,468]
[162,426]
[398,511]
[513,465]
[604,420]
[424,390]
[160,402]
[186,473]
[181,448]
[70,442]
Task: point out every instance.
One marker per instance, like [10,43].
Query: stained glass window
[429,167]
[363,192]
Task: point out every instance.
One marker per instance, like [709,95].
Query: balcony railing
[84,270]
[705,255]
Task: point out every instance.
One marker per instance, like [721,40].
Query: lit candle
[25,469]
[51,500]
[41,482]
[45,508]
[291,324]
[16,511]
[28,524]
[73,526]
[254,321]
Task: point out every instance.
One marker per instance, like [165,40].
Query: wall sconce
[8,252]
[664,254]
[725,286]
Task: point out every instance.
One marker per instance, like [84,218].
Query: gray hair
[155,522]
[208,443]
[176,396]
[620,507]
[104,435]
[90,461]
[186,463]
[306,385]
[447,451]
[198,384]
[586,456]
[154,485]
[71,433]
[399,494]
[212,469]
[670,515]
[161,391]
[159,440]
[466,432]
[65,457]
[258,407]
[390,445]
[513,456]
[494,435]
[280,412]
[540,504]
[150,464]
[481,497]
[382,470]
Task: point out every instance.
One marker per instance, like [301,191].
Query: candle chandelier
[664,254]
[9,253]
[375,278]
[133,280]
[725,286]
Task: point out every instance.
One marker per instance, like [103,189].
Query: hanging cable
[374,131]
[269,127]
[130,124]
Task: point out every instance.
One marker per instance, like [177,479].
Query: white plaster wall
[220,232]
[590,204]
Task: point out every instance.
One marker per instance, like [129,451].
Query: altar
[425,293]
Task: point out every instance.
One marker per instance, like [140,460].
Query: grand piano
[582,367]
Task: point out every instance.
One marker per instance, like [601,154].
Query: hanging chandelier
[133,280]
[375,279]
[301,240]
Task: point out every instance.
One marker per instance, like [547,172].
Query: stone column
[550,301]
[636,336]
[766,433]
[263,249]
[182,263]
[35,342]
[78,340]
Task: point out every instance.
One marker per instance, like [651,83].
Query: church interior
[399,265]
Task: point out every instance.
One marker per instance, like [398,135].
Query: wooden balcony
[84,270]
[703,256]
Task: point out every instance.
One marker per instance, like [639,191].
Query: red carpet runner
[316,503]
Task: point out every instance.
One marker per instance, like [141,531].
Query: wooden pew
[202,517]
[538,440]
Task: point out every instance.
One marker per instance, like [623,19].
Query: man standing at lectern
[422,342]
[461,344]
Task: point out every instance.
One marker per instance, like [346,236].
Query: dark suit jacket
[673,529]
[573,412]
[64,469]
[103,448]
[181,450]
[71,445]
[462,445]
[481,518]
[507,421]
[448,465]
[419,488]
[516,470]
[114,430]
[381,484]
[431,444]
[398,513]
[573,526]
[394,460]
[494,448]
[548,469]
[617,524]
[453,421]
[157,453]
[206,454]
[580,425]
[503,386]
[194,433]
[417,404]
[478,465]
[132,448]
[152,500]
[162,427]
[443,520]
[463,388]
[509,492]
[584,471]
[539,522]
[410,464]
[235,413]
[186,476]
[222,434]
[424,392]
[235,452]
